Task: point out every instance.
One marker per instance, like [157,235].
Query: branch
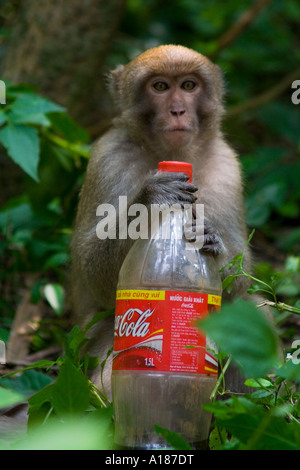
[242,23]
[280,306]
[266,96]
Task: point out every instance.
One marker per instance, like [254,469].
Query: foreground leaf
[88,433]
[70,393]
[175,440]
[9,397]
[243,332]
[263,433]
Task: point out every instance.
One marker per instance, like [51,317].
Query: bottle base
[172,401]
[203,445]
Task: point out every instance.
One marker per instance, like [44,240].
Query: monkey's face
[169,97]
[173,102]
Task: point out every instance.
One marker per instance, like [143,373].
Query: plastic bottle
[164,286]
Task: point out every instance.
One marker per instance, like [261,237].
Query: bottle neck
[170,222]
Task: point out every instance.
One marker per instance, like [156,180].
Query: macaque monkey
[169,107]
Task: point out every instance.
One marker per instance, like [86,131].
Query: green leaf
[91,432]
[235,405]
[259,383]
[17,213]
[58,259]
[55,294]
[9,397]
[99,316]
[175,440]
[31,109]
[292,264]
[27,383]
[228,282]
[263,432]
[22,145]
[75,339]
[243,332]
[259,394]
[41,396]
[217,437]
[290,370]
[4,335]
[63,124]
[3,117]
[70,393]
[37,401]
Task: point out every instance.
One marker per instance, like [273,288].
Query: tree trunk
[60,47]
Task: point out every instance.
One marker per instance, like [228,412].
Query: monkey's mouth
[178,129]
[178,136]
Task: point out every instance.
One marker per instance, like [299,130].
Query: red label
[155,330]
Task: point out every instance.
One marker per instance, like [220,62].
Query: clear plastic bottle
[162,371]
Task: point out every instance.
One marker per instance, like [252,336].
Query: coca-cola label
[156,330]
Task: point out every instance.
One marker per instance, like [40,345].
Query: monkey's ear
[220,82]
[114,81]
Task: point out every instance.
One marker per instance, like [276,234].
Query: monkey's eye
[188,85]
[160,86]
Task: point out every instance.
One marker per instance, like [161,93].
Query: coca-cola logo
[138,328]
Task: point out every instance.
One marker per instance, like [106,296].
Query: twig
[266,96]
[280,306]
[242,23]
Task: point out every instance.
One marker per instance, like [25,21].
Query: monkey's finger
[189,187]
[172,175]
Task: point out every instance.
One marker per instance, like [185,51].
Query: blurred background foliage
[54,58]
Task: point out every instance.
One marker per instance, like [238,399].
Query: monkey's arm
[116,168]
[95,262]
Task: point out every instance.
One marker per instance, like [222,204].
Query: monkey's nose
[176,112]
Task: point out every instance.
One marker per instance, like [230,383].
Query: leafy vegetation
[260,63]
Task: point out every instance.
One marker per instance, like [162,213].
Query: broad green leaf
[39,398]
[9,397]
[70,393]
[243,332]
[217,437]
[40,405]
[263,432]
[31,109]
[92,432]
[258,394]
[75,337]
[175,440]
[228,282]
[259,383]
[235,405]
[22,145]
[27,383]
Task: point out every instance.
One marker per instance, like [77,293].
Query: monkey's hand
[205,234]
[168,188]
[213,242]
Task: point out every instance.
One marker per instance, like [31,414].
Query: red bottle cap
[179,167]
